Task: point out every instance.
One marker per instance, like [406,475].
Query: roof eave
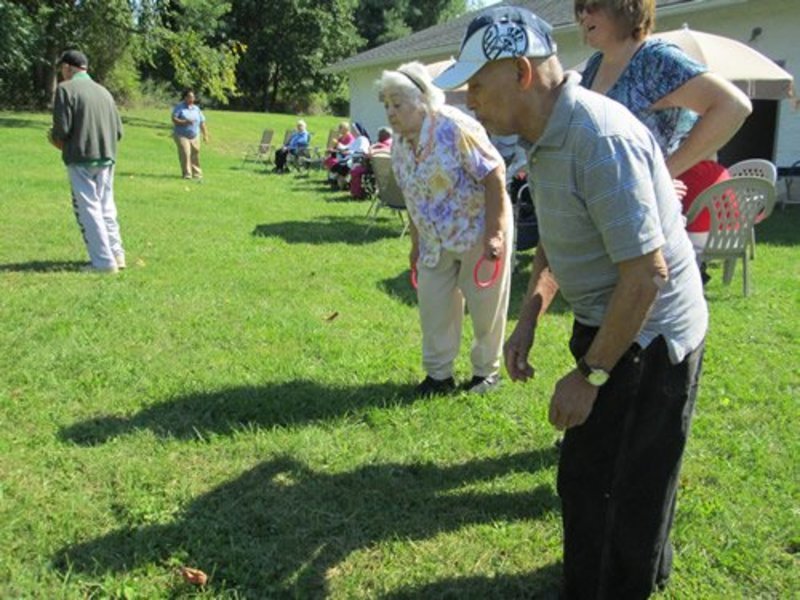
[353,62]
[345,65]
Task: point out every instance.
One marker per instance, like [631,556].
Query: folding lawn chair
[262,152]
[389,195]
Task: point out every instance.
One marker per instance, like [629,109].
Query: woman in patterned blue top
[691,112]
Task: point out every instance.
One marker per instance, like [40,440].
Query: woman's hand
[496,218]
[680,189]
[493,246]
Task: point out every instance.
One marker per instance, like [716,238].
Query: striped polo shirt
[603,195]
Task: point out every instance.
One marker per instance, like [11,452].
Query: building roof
[445,38]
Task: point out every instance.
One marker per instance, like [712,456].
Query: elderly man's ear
[525,72]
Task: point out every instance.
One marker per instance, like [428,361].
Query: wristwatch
[593,375]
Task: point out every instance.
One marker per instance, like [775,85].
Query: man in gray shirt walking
[86,128]
[612,241]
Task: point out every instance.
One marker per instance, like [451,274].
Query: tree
[289,43]
[40,30]
[184,42]
[16,46]
[262,54]
[382,21]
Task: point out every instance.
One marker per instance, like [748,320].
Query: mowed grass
[238,401]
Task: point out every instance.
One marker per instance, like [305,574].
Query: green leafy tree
[184,42]
[17,39]
[382,21]
[289,43]
[40,30]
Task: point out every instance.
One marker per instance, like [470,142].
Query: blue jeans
[618,473]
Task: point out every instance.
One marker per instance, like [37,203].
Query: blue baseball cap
[497,33]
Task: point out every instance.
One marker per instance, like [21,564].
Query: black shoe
[482,385]
[435,387]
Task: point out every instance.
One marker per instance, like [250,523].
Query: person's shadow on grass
[226,411]
[43,266]
[543,584]
[282,528]
[400,288]
[328,230]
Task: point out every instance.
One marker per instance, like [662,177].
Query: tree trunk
[265,103]
[276,79]
[44,79]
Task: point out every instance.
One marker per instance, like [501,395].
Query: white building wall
[364,105]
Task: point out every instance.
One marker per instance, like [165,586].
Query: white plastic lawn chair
[734,206]
[755,167]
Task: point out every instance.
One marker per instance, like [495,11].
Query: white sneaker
[120,259]
[101,270]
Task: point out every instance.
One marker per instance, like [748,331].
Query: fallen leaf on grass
[332,316]
[194,576]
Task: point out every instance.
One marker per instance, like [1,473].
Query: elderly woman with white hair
[453,179]
[297,142]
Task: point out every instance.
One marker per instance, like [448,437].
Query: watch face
[597,377]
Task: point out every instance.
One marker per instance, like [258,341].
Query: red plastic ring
[489,282]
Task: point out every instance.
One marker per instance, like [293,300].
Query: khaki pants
[442,291]
[189,155]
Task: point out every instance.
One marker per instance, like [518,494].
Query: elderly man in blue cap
[612,241]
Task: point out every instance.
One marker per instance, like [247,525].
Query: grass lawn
[238,401]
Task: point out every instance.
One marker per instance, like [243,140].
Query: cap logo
[504,39]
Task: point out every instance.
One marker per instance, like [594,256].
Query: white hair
[413,81]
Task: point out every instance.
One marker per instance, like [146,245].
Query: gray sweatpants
[96,212]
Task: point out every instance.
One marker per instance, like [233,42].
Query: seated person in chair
[340,145]
[362,168]
[355,151]
[297,142]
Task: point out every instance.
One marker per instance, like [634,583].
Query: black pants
[341,168]
[281,155]
[618,473]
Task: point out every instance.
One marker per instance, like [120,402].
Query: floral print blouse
[441,181]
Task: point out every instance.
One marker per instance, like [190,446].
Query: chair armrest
[693,211]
